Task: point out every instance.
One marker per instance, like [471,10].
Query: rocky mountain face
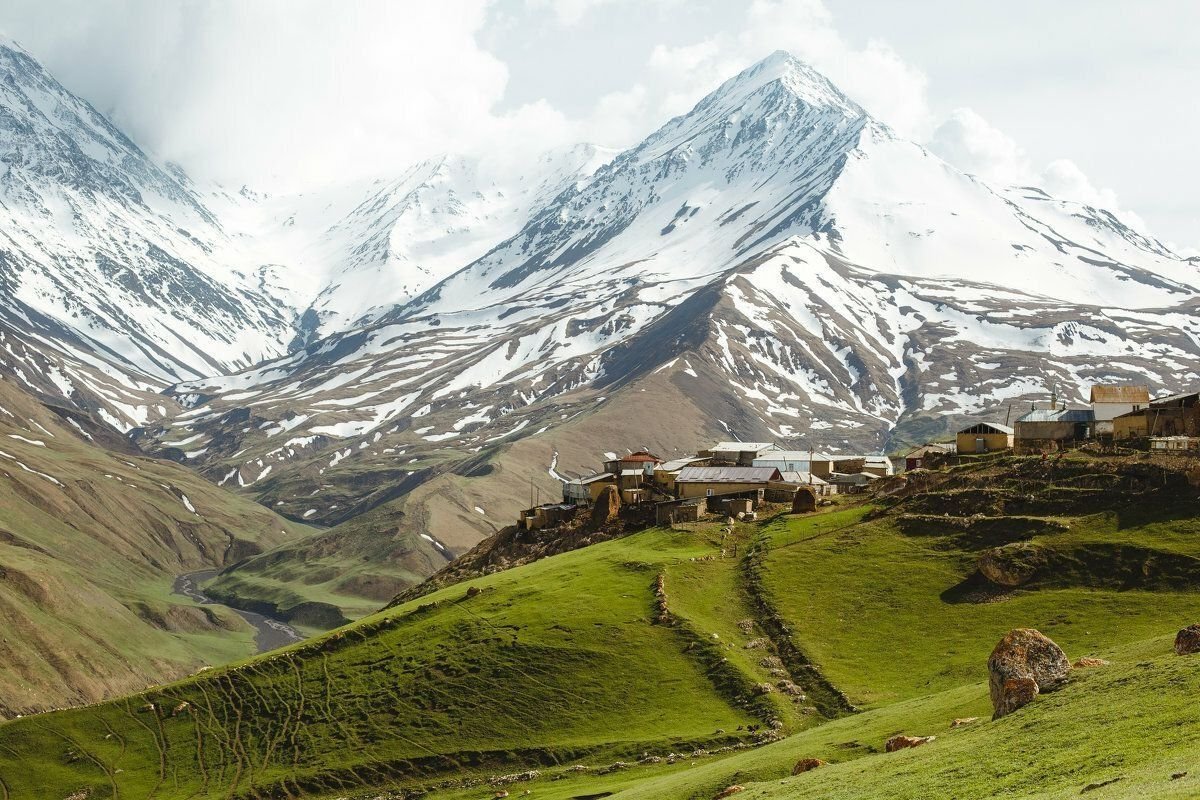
[111,256]
[774,264]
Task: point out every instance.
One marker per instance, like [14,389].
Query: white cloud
[294,93]
[969,142]
[676,77]
[301,91]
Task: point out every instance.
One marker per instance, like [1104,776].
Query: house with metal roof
[740,453]
[984,437]
[586,490]
[1112,400]
[1174,415]
[709,481]
[789,460]
[1054,428]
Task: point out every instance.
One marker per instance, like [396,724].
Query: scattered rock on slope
[1187,641]
[901,742]
[1024,664]
[1012,565]
[807,764]
[1087,662]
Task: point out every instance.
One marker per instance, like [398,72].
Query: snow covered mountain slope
[366,247]
[120,252]
[116,272]
[787,264]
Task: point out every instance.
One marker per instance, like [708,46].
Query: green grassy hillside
[91,540]
[355,568]
[661,665]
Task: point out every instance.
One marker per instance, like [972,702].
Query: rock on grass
[1024,664]
[902,742]
[1187,641]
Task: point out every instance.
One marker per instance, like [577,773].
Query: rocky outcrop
[807,765]
[804,501]
[1187,641]
[1012,565]
[1024,664]
[902,742]
[607,508]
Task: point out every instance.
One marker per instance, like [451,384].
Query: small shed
[984,437]
[852,482]
[676,511]
[915,458]
[821,486]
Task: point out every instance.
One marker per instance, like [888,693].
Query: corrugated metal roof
[994,425]
[727,474]
[743,447]
[794,455]
[599,476]
[932,447]
[1120,393]
[1059,415]
[628,473]
[679,463]
[802,477]
[1172,399]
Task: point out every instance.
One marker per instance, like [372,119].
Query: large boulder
[1187,641]
[1024,664]
[804,501]
[607,508]
[1012,565]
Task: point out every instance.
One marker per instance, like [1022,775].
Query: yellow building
[984,437]
[1131,425]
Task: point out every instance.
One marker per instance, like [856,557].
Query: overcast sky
[1094,100]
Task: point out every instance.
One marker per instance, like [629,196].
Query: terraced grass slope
[91,539]
[634,665]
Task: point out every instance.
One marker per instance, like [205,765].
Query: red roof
[641,455]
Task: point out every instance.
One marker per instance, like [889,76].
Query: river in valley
[269,633]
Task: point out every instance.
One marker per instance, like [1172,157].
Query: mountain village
[733,477]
